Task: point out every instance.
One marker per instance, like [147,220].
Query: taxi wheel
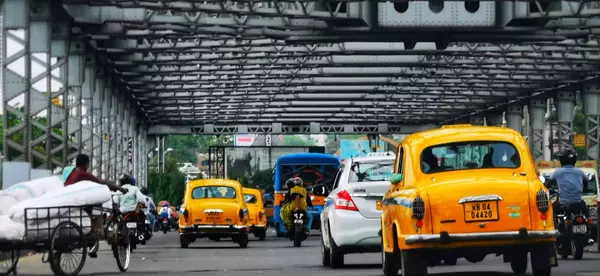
[184,242]
[518,262]
[413,264]
[262,235]
[242,240]
[540,262]
[390,260]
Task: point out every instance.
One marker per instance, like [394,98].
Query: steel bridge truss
[96,76]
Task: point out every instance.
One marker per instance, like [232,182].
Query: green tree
[168,185]
[187,147]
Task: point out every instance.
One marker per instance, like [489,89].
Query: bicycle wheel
[68,251]
[8,261]
[122,248]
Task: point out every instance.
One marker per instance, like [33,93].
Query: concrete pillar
[514,117]
[537,119]
[590,97]
[565,112]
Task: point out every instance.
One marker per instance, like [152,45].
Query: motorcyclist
[150,208]
[296,199]
[133,200]
[166,212]
[570,182]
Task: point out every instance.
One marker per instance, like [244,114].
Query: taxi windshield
[213,192]
[469,155]
[371,170]
[250,198]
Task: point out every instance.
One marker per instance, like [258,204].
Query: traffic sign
[579,140]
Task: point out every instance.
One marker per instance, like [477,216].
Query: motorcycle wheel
[577,245]
[298,232]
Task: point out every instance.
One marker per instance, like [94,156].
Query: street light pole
[163,158]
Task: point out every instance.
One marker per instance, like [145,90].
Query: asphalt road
[275,256]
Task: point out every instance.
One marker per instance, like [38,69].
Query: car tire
[519,262]
[325,258]
[336,257]
[540,261]
[389,261]
[242,240]
[184,242]
[450,261]
[412,263]
[262,235]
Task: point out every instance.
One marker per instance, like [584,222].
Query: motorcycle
[135,236]
[573,226]
[147,232]
[166,226]
[298,232]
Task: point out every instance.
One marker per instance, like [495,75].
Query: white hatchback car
[351,217]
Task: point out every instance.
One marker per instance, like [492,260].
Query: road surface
[163,256]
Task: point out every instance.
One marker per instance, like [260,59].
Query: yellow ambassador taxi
[214,208]
[257,214]
[465,191]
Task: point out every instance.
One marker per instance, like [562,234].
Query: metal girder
[278,128]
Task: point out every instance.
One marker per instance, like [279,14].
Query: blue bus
[314,169]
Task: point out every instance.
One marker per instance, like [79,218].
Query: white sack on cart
[11,230]
[27,190]
[44,229]
[79,194]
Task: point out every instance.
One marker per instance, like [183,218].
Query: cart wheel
[8,261]
[68,251]
[122,249]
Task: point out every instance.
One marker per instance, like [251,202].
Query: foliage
[168,185]
[187,147]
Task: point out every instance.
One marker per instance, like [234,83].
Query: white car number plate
[131,225]
[579,229]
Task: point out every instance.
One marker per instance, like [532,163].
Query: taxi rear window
[469,155]
[213,192]
[250,198]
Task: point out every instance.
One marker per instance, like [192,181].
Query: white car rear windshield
[372,170]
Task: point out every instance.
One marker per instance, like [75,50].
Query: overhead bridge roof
[336,66]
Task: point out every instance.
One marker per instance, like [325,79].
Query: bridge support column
[89,140]
[514,117]
[590,97]
[494,119]
[98,120]
[565,112]
[537,120]
[476,120]
[112,131]
[105,87]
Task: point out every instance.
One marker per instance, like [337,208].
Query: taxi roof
[460,133]
[214,181]
[252,191]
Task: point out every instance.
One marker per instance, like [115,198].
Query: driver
[570,182]
[296,199]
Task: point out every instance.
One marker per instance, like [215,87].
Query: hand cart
[66,234]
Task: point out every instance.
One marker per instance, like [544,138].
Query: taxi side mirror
[320,190]
[396,178]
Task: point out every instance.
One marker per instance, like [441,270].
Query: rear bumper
[258,227]
[343,226]
[445,237]
[209,229]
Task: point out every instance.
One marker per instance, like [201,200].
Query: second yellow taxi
[466,192]
[257,214]
[214,208]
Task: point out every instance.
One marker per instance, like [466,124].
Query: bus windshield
[310,174]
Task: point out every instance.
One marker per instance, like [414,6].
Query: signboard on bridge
[244,140]
[579,140]
[356,148]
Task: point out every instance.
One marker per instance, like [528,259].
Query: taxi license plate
[579,229]
[481,211]
[378,205]
[131,225]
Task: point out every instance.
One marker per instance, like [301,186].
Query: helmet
[127,179]
[165,204]
[294,181]
[568,157]
[144,191]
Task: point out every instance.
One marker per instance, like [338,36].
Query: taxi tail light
[343,201]
[418,208]
[260,215]
[241,213]
[185,213]
[542,201]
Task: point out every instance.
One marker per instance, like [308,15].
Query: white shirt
[128,202]
[168,210]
